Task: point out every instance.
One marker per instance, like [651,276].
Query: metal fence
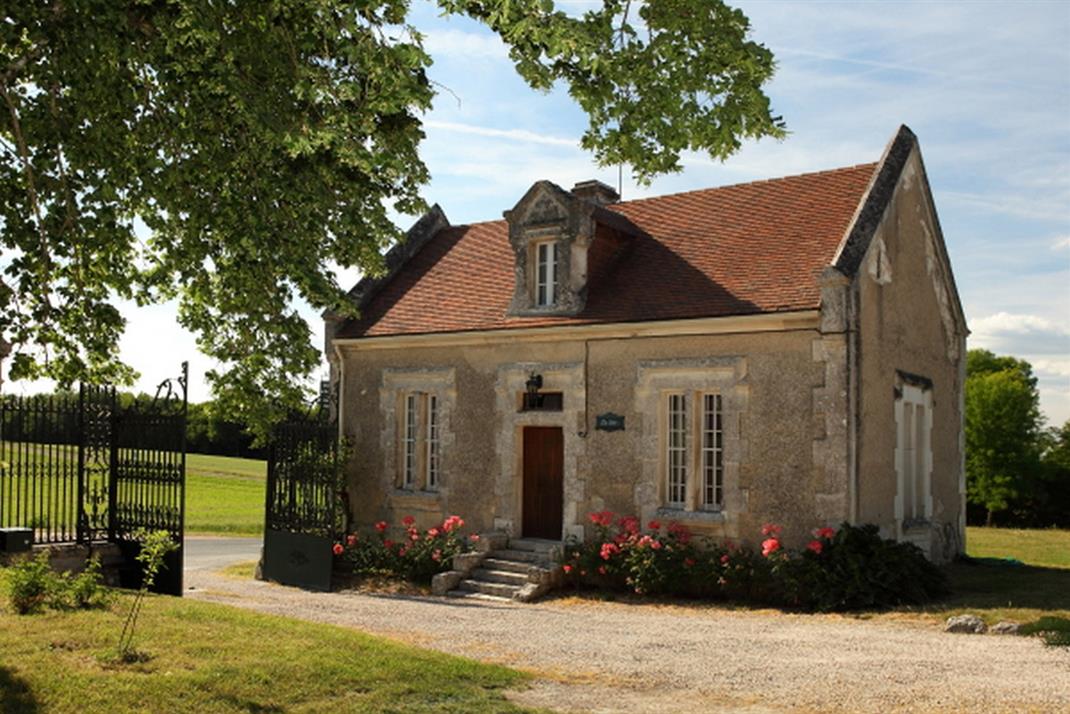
[302,481]
[306,509]
[80,467]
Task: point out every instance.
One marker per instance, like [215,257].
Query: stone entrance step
[522,570]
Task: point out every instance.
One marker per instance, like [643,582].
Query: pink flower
[474,537]
[724,559]
[770,546]
[414,536]
[408,521]
[689,562]
[351,539]
[655,544]
[654,525]
[629,524]
[388,543]
[602,518]
[452,523]
[825,532]
[679,531]
[337,549]
[609,550]
[815,545]
[433,533]
[601,570]
[381,526]
[567,569]
[771,529]
[403,551]
[436,556]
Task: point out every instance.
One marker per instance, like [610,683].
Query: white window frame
[693,466]
[677,463]
[410,439]
[420,434]
[433,456]
[545,273]
[913,455]
[712,450]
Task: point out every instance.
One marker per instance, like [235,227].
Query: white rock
[971,624]
[1005,628]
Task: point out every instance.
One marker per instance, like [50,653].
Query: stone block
[970,624]
[442,583]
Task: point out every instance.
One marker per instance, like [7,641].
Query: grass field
[1048,547]
[205,658]
[1021,575]
[223,495]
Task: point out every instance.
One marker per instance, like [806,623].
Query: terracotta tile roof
[743,249]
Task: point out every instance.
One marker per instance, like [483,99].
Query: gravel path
[610,657]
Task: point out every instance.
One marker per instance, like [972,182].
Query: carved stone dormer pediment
[550,230]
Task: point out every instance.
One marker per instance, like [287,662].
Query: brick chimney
[596,192]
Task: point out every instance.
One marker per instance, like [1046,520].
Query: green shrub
[86,589]
[856,569]
[31,584]
[846,569]
[416,556]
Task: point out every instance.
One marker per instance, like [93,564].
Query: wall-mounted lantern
[534,384]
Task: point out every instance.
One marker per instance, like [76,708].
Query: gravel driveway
[610,657]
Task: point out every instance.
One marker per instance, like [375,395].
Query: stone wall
[908,323]
[782,407]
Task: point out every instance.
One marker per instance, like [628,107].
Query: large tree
[227,154]
[1003,429]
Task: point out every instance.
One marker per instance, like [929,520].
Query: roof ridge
[806,174]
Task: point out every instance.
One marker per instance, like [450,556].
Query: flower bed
[848,568]
[417,556]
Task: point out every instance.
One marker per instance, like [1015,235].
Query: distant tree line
[55,420]
[1017,470]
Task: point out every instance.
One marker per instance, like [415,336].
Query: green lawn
[1048,547]
[206,658]
[224,495]
[996,588]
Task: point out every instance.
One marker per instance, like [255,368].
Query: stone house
[789,350]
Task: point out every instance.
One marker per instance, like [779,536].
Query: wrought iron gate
[82,468]
[305,508]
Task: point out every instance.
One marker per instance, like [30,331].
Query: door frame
[523,478]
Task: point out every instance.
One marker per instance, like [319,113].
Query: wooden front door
[544,456]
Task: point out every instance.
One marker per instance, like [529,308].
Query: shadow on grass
[989,583]
[15,695]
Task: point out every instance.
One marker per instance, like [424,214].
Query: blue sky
[985,85]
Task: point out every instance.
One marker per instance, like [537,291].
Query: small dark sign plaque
[609,422]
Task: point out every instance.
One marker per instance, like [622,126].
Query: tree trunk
[988,520]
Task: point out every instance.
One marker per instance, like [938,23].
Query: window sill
[416,500]
[916,525]
[691,517]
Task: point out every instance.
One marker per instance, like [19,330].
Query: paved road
[210,553]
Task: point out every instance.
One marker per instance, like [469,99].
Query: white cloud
[1061,243]
[459,44]
[520,135]
[1005,323]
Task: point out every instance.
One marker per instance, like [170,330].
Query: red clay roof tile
[743,249]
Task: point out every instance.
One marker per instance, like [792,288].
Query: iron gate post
[81,519]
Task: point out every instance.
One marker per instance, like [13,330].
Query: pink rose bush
[844,568]
[416,556]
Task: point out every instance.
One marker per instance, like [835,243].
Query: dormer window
[545,273]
